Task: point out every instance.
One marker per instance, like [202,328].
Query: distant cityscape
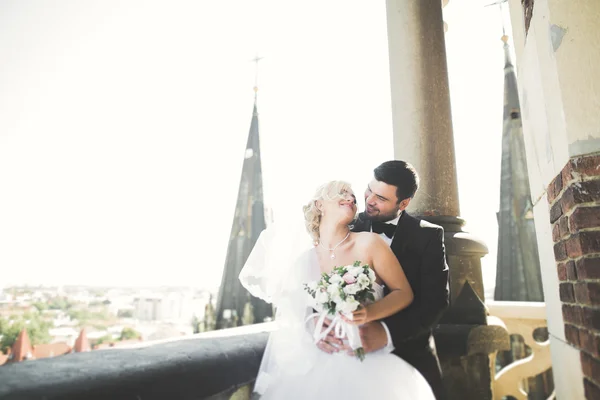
[40,322]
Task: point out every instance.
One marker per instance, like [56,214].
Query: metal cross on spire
[256,60]
[499,3]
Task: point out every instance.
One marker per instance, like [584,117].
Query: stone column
[423,136]
[421,102]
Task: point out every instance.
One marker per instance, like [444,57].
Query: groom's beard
[379,217]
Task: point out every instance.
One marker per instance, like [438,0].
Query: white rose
[331,289]
[335,279]
[336,298]
[355,271]
[348,306]
[363,281]
[351,289]
[322,297]
[334,292]
[372,276]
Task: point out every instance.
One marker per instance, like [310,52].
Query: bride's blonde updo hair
[331,190]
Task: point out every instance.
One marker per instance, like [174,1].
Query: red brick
[593,289]
[562,272]
[556,212]
[566,174]
[582,243]
[573,246]
[572,335]
[581,193]
[584,217]
[567,200]
[560,251]
[571,271]
[592,391]
[591,319]
[588,268]
[554,188]
[590,366]
[558,184]
[556,232]
[587,293]
[563,226]
[567,293]
[582,295]
[567,271]
[587,166]
[590,242]
[573,314]
[589,342]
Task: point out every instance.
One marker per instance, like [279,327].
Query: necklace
[332,256]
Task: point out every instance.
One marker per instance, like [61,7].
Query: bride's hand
[330,343]
[359,317]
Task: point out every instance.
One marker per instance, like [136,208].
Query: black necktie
[381,227]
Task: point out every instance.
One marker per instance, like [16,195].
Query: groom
[419,246]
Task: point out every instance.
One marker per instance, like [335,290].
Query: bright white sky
[123,126]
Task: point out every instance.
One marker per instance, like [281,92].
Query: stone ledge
[186,369]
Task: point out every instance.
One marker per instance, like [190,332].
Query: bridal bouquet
[342,292]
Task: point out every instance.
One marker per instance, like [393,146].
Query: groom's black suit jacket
[419,247]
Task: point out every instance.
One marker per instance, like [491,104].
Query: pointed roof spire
[512,108]
[248,223]
[81,343]
[518,276]
[21,349]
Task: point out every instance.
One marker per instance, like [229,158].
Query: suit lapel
[362,224]
[402,234]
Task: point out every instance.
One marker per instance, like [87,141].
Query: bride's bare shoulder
[368,239]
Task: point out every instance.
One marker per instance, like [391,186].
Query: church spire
[248,223]
[518,276]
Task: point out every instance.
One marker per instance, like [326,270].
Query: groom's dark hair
[400,174]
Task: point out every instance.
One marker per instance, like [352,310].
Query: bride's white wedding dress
[292,366]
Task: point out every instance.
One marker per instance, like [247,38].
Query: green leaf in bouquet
[370,296]
[360,353]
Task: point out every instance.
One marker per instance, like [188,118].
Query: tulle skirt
[379,376]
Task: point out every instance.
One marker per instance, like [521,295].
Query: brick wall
[574,198]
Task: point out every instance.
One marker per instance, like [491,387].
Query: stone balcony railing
[213,365]
[216,365]
[527,319]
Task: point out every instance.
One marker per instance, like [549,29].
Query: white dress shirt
[389,347]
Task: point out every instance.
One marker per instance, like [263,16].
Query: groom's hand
[330,344]
[372,336]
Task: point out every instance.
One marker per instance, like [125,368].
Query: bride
[282,261]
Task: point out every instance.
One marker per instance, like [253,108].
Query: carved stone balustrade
[527,319]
